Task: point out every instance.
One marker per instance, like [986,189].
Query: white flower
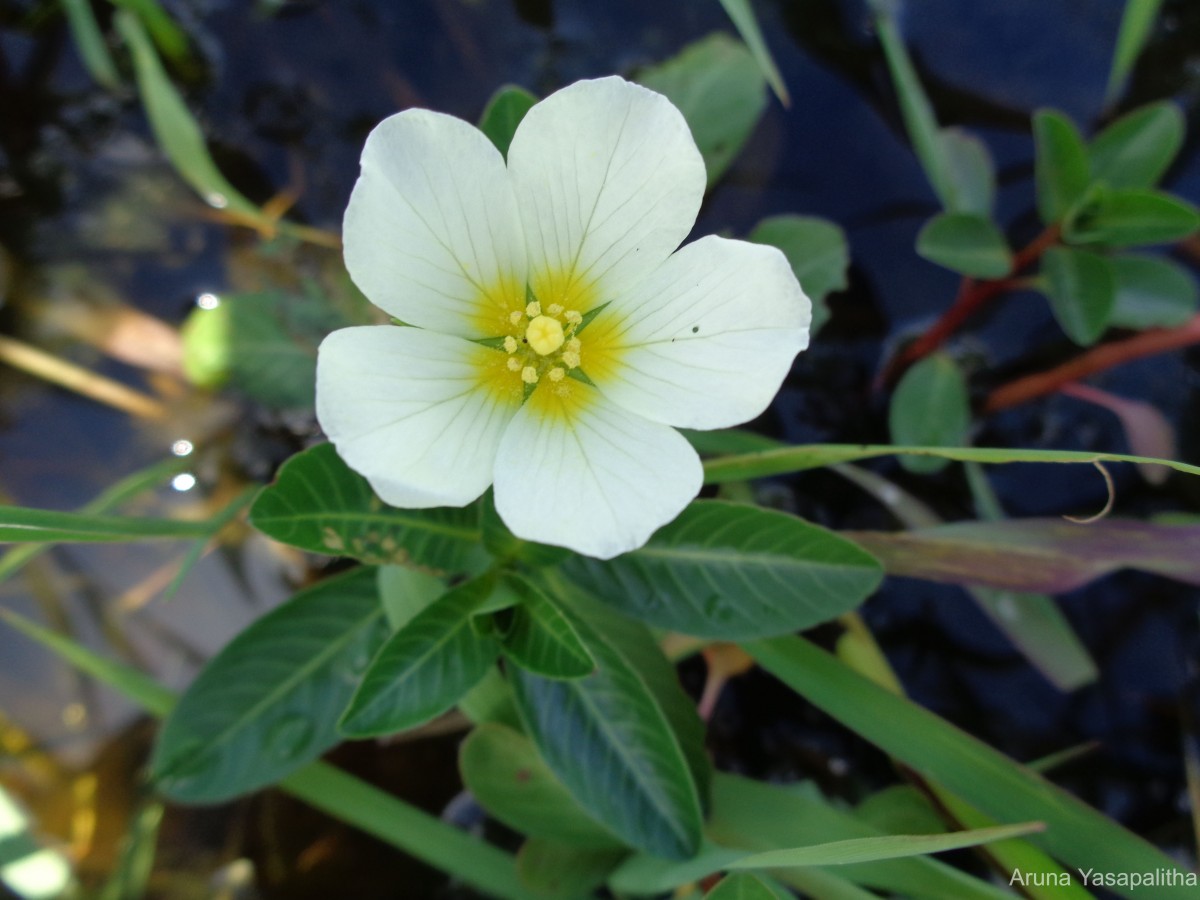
[554,337]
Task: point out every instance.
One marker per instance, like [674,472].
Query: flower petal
[706,341]
[579,472]
[414,412]
[432,233]
[609,181]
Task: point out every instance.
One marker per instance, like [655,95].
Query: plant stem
[972,295]
[1098,359]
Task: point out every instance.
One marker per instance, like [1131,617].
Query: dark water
[87,209]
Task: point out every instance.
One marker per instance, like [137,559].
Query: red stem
[972,295]
[1098,359]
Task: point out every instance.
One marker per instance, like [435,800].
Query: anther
[529,375]
[557,373]
[513,363]
[571,359]
[555,309]
[510,344]
[574,344]
[573,316]
[515,316]
[533,310]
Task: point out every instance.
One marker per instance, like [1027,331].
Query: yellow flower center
[544,335]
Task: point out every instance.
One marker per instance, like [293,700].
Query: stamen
[533,310]
[514,317]
[555,309]
[510,344]
[574,317]
[574,344]
[571,359]
[513,364]
[557,373]
[529,375]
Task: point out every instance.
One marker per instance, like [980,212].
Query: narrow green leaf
[1081,288]
[218,521]
[1152,292]
[729,571]
[268,703]
[541,639]
[778,461]
[970,172]
[1136,150]
[168,36]
[503,114]
[174,127]
[502,770]
[425,667]
[817,251]
[1061,167]
[404,592]
[1075,833]
[930,406]
[131,875]
[89,41]
[919,119]
[22,525]
[317,503]
[339,794]
[716,84]
[741,886]
[967,243]
[742,16]
[1131,218]
[1136,25]
[611,744]
[556,870]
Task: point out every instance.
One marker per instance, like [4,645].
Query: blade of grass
[1136,24]
[217,523]
[168,36]
[89,40]
[744,21]
[999,787]
[21,525]
[340,794]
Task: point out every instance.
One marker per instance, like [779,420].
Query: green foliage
[1152,292]
[21,525]
[727,571]
[1081,287]
[1136,149]
[268,703]
[557,870]
[541,639]
[817,251]
[1062,169]
[425,667]
[89,41]
[741,886]
[263,344]
[717,85]
[742,16]
[970,171]
[1131,217]
[1136,25]
[317,503]
[503,114]
[930,406]
[967,243]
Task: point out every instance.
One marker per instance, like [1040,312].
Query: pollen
[557,373]
[514,364]
[533,310]
[574,344]
[510,344]
[515,316]
[555,309]
[571,359]
[544,334]
[573,316]
[529,375]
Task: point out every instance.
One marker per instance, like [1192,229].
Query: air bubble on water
[184,481]
[208,300]
[182,447]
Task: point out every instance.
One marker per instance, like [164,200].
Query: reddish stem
[972,295]
[1098,359]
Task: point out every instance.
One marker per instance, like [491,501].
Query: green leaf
[718,87]
[1136,25]
[168,36]
[268,703]
[1132,217]
[556,870]
[741,886]
[742,16]
[967,243]
[174,127]
[425,667]
[317,503]
[784,459]
[404,592]
[504,113]
[1081,288]
[970,171]
[611,744]
[1061,167]
[22,525]
[264,344]
[502,770]
[1075,833]
[919,119]
[729,571]
[930,406]
[817,251]
[541,639]
[504,545]
[89,41]
[1136,150]
[1152,292]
